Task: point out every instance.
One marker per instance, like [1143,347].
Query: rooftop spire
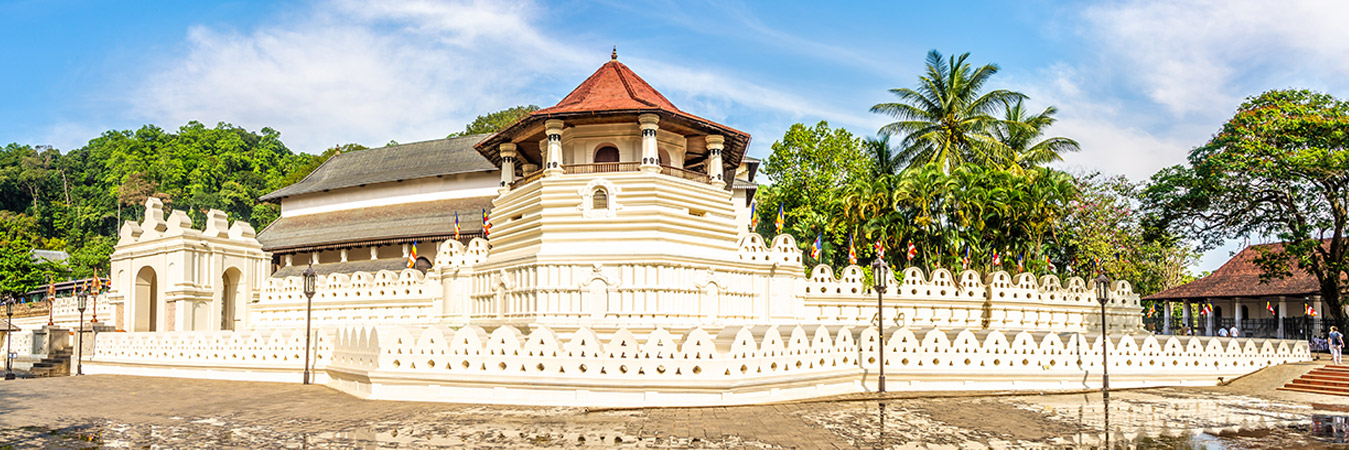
[614,56]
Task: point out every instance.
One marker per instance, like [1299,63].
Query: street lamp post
[879,273]
[9,340]
[80,303]
[1103,296]
[309,290]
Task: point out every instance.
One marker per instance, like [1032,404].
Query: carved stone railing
[685,174]
[605,167]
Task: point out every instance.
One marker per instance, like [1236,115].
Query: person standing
[1336,343]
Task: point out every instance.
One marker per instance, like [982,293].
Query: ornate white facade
[628,282]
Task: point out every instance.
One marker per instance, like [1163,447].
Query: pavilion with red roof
[1240,299]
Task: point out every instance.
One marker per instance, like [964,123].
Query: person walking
[1336,343]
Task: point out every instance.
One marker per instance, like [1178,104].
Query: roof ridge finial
[614,56]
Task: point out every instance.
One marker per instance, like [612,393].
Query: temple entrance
[146,300]
[229,298]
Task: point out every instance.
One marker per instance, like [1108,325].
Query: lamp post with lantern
[81,300]
[1103,296]
[309,280]
[9,340]
[879,273]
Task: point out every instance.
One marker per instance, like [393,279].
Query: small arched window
[606,154]
[600,199]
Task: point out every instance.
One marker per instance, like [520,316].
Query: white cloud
[358,73]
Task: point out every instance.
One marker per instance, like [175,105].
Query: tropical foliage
[966,187]
[1279,167]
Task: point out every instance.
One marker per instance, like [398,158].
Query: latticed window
[600,199]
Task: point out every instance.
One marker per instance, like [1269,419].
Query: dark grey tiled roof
[368,265]
[364,225]
[399,162]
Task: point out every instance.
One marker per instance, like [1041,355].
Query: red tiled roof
[1240,277]
[613,87]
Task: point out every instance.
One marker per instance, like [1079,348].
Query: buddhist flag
[412,256]
[965,260]
[779,221]
[1270,308]
[1152,311]
[880,248]
[1019,258]
[456,225]
[997,259]
[1053,268]
[753,215]
[1208,309]
[1310,310]
[852,251]
[817,248]
[486,224]
[913,251]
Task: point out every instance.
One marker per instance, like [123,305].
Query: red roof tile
[1240,277]
[613,87]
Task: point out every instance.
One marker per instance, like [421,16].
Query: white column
[507,166]
[715,172]
[552,165]
[290,260]
[1188,318]
[1237,316]
[1166,317]
[650,153]
[344,255]
[1283,312]
[374,252]
[314,258]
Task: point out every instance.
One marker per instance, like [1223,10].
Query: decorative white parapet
[272,355]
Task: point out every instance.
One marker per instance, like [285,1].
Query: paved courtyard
[138,412]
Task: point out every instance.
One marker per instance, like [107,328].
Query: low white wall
[734,365]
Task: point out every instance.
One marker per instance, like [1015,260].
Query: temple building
[594,253]
[1235,297]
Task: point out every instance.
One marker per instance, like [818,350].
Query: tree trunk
[1331,302]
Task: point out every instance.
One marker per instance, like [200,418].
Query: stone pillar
[507,166]
[1166,317]
[344,255]
[290,260]
[1283,312]
[1237,316]
[650,152]
[374,252]
[1187,317]
[552,164]
[715,144]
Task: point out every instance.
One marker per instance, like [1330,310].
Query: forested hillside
[75,200]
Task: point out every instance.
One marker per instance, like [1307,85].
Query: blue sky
[1137,83]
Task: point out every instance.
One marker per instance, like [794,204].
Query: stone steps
[56,364]
[1327,380]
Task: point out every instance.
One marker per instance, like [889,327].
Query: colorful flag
[1207,309]
[880,248]
[1019,258]
[486,224]
[753,215]
[1152,311]
[965,261]
[778,224]
[817,248]
[1270,308]
[1053,268]
[1310,310]
[412,256]
[997,259]
[913,251]
[852,251]
[456,225]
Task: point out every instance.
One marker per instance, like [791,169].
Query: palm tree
[884,160]
[1020,132]
[947,119]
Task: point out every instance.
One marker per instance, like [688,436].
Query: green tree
[1021,133]
[947,118]
[1278,167]
[496,121]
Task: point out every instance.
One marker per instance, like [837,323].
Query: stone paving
[140,412]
